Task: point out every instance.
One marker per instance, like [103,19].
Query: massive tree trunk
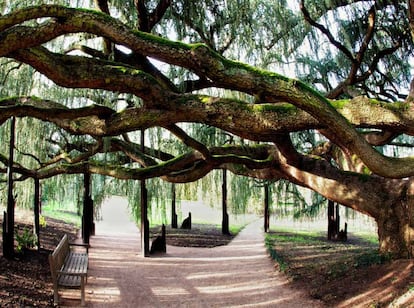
[396,223]
[396,232]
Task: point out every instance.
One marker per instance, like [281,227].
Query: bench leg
[83,291]
[55,294]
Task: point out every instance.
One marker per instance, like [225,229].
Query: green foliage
[66,211]
[371,258]
[25,240]
[42,221]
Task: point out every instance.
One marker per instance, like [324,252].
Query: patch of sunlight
[106,295]
[241,274]
[169,291]
[364,298]
[103,290]
[209,275]
[237,287]
[217,259]
[404,300]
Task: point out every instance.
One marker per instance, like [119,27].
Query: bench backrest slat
[57,258]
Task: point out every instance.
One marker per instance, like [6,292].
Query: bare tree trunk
[225,221]
[87,217]
[36,210]
[337,220]
[174,223]
[331,220]
[8,224]
[145,247]
[266,208]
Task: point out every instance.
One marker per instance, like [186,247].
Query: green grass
[312,238]
[368,237]
[235,229]
[65,213]
[309,256]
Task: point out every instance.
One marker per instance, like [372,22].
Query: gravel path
[237,275]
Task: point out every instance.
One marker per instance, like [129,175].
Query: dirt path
[237,275]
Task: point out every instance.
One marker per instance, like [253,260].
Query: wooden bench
[69,268]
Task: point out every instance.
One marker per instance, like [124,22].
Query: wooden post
[145,248]
[8,226]
[164,239]
[225,221]
[337,220]
[331,220]
[266,208]
[87,216]
[174,222]
[36,209]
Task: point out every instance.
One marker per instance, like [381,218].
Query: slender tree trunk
[337,220]
[36,210]
[225,221]
[8,223]
[174,223]
[87,217]
[331,220]
[266,208]
[144,211]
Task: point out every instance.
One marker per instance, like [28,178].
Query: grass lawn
[339,272]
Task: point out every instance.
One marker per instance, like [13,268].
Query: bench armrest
[81,245]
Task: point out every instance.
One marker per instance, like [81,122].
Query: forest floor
[342,274]
[327,271]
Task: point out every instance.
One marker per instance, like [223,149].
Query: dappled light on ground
[383,288]
[239,274]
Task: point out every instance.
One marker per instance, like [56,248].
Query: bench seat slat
[75,264]
[69,281]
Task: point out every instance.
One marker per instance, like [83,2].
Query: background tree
[103,85]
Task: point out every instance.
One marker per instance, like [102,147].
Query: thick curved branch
[137,61]
[191,142]
[224,73]
[362,193]
[184,168]
[255,122]
[87,120]
[69,71]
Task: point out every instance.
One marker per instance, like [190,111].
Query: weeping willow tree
[322,102]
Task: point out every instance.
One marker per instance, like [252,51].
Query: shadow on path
[237,275]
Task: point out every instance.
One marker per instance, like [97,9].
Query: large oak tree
[245,101]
